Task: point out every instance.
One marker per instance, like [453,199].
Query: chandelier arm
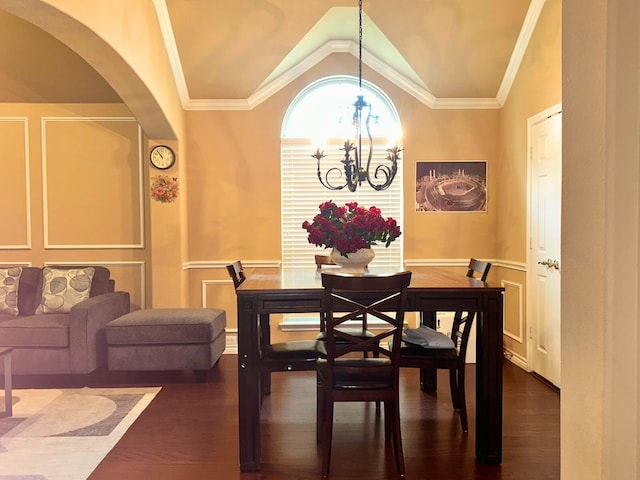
[326,183]
[319,155]
[389,172]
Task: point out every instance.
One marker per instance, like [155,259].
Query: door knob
[551,263]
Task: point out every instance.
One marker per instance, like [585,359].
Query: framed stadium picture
[454,186]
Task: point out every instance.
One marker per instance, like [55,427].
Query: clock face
[162,157]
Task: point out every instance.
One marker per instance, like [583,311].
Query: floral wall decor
[164,188]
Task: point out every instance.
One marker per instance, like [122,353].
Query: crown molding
[465,103]
[172,50]
[422,94]
[528,26]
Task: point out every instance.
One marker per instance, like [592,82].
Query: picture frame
[451,186]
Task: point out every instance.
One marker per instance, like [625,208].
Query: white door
[545,147]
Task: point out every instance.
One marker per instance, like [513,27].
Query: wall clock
[162,157]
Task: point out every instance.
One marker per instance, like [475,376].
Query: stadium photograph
[451,186]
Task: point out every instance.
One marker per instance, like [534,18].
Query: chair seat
[410,350]
[355,332]
[296,350]
[361,373]
[424,336]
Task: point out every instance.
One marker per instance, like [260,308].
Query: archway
[156,109]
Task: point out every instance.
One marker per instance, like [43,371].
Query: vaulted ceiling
[235,53]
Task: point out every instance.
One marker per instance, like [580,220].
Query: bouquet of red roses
[350,227]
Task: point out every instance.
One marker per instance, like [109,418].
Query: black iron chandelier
[355,172]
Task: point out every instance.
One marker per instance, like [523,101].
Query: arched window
[321,116]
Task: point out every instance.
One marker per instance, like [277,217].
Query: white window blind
[301,190]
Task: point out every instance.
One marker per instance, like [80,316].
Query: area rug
[63,434]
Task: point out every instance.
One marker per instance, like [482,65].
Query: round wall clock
[162,157]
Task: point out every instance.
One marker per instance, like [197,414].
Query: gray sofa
[61,343]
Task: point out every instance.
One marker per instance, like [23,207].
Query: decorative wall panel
[92,183]
[15,217]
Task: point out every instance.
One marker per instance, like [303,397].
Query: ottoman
[167,339]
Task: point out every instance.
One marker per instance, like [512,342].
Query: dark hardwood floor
[189,431]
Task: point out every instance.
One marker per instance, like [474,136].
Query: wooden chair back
[236,272]
[323,260]
[387,302]
[478,267]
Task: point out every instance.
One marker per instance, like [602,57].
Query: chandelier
[355,171]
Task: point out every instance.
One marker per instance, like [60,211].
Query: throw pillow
[9,280]
[63,288]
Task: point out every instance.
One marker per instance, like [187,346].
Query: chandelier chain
[360,44]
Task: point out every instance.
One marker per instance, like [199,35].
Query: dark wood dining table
[274,290]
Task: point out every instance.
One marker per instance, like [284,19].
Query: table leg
[265,339]
[8,400]
[248,384]
[428,376]
[489,381]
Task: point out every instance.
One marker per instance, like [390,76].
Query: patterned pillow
[9,279]
[63,288]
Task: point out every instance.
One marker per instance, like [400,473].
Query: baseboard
[231,346]
[516,359]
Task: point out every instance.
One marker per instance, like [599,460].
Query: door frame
[531,267]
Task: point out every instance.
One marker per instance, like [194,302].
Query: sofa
[55,317]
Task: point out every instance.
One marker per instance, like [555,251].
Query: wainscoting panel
[513,310]
[105,209]
[216,294]
[14,184]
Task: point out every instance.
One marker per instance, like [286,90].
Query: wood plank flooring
[190,430]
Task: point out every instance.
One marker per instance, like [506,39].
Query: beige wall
[74,177]
[228,169]
[600,403]
[234,179]
[537,87]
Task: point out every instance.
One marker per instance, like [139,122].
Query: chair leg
[397,438]
[453,385]
[327,432]
[376,354]
[462,402]
[319,412]
[388,416]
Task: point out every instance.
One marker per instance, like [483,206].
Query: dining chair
[323,260]
[345,376]
[425,347]
[294,355]
[478,267]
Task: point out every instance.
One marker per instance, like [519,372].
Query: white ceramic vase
[356,262]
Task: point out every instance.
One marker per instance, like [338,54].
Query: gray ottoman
[167,339]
